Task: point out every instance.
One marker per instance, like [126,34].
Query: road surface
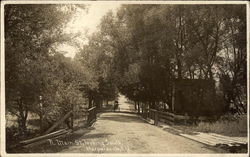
[124,105]
[116,132]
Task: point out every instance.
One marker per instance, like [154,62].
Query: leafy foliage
[154,44]
[34,69]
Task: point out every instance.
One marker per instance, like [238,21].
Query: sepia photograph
[124,78]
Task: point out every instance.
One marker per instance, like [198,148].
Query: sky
[87,21]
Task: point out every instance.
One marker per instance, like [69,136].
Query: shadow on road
[122,118]
[94,136]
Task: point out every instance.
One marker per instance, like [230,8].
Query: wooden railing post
[147,115]
[91,115]
[95,110]
[139,108]
[156,118]
[142,111]
[150,114]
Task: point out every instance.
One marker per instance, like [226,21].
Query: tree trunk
[90,102]
[41,123]
[135,105]
[210,73]
[22,118]
[138,103]
[241,104]
[237,107]
[179,70]
[22,126]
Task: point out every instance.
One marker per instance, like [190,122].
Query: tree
[232,62]
[147,47]
[96,57]
[168,42]
[31,32]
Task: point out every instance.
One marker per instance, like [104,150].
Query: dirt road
[127,133]
[124,105]
[117,132]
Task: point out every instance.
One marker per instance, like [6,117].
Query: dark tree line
[151,45]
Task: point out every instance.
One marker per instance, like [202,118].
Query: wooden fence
[61,121]
[91,117]
[53,132]
[165,117]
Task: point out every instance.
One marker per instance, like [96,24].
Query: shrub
[230,125]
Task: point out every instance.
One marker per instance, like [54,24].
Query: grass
[231,128]
[225,125]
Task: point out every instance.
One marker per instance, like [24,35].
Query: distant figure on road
[116,105]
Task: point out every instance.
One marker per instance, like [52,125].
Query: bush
[230,125]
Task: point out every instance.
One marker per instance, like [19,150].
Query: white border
[2,109]
[2,131]
[248,59]
[121,2]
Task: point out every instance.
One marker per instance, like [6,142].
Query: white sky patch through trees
[87,21]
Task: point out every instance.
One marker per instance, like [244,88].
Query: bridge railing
[91,116]
[161,116]
[166,117]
